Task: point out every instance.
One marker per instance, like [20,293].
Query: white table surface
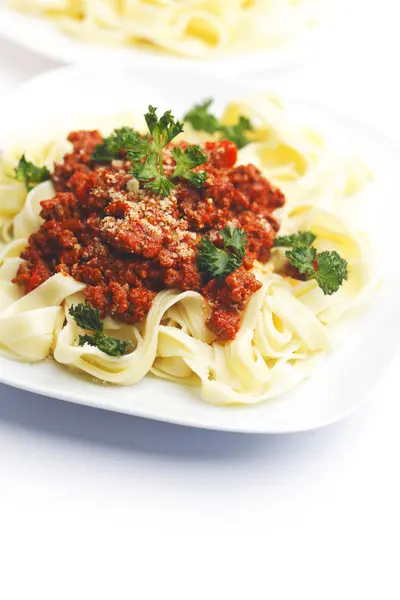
[98,505]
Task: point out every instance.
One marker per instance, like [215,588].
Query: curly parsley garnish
[113,145]
[187,160]
[30,174]
[214,261]
[123,141]
[163,129]
[146,153]
[218,262]
[302,238]
[201,119]
[87,317]
[151,171]
[328,268]
[235,238]
[105,343]
[152,174]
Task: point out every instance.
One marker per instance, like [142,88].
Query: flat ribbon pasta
[250,368]
[28,323]
[194,28]
[124,370]
[297,159]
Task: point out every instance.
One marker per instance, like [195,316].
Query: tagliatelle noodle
[194,28]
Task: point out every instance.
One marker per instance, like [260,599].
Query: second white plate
[39,35]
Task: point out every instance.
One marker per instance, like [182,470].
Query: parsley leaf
[140,149]
[109,345]
[332,271]
[148,172]
[161,185]
[122,138]
[163,129]
[30,174]
[217,262]
[302,238]
[303,258]
[187,160]
[328,268]
[88,317]
[201,119]
[237,133]
[235,238]
[112,146]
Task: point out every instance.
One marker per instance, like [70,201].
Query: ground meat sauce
[127,244]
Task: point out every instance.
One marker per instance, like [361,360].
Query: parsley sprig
[146,153]
[187,160]
[220,262]
[235,239]
[87,317]
[30,174]
[201,119]
[151,171]
[328,268]
[302,238]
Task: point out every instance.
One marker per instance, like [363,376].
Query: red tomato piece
[223,154]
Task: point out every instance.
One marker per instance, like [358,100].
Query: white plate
[342,380]
[40,35]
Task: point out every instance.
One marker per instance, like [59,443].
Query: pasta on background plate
[250,308]
[194,28]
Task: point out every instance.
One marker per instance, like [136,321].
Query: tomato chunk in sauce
[127,244]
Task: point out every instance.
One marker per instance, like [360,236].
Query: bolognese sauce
[126,243]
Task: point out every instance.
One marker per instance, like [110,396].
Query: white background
[97,505]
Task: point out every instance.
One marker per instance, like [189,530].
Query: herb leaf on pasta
[87,317]
[30,174]
[221,262]
[201,119]
[186,161]
[328,268]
